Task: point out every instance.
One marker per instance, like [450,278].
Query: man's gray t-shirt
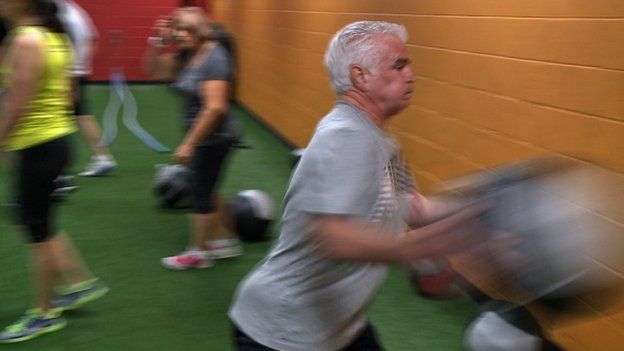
[297,298]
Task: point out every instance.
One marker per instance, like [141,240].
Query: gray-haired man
[343,221]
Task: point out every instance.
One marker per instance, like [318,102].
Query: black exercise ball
[252,212]
[549,237]
[172,186]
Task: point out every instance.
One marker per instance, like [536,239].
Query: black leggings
[208,161]
[367,341]
[80,105]
[37,167]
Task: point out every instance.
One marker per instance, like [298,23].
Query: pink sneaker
[187,260]
[225,248]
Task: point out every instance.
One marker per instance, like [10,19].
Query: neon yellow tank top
[47,115]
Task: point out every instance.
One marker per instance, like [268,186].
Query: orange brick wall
[497,81]
[514,78]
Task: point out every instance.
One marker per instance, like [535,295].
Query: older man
[343,220]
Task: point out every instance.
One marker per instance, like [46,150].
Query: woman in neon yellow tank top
[34,126]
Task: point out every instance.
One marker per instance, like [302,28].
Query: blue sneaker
[32,324]
[79,294]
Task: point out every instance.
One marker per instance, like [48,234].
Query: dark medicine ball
[172,186]
[252,212]
[551,238]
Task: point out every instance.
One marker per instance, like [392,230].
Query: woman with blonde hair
[202,72]
[35,128]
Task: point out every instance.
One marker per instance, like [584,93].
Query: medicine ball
[548,235]
[252,211]
[434,279]
[172,186]
[505,326]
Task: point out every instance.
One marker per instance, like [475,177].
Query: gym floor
[122,234]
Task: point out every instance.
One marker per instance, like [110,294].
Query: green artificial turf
[122,235]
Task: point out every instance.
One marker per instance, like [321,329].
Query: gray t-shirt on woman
[216,66]
[297,298]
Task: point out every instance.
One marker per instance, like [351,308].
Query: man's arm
[418,210]
[347,238]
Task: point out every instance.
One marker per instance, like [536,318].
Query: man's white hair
[356,44]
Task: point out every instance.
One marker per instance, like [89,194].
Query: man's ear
[358,78]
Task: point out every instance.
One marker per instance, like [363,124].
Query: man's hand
[457,232]
[419,210]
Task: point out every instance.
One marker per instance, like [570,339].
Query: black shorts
[207,165]
[367,341]
[80,106]
[37,167]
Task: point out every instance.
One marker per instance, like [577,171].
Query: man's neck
[367,106]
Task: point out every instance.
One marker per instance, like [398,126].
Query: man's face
[390,85]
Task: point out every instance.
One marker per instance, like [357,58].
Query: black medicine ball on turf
[252,211]
[172,185]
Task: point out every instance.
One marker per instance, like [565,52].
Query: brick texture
[498,81]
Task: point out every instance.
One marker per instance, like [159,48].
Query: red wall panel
[124,27]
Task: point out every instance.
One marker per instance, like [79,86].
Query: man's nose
[409,73]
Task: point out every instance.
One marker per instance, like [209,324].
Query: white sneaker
[187,260]
[99,165]
[224,248]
